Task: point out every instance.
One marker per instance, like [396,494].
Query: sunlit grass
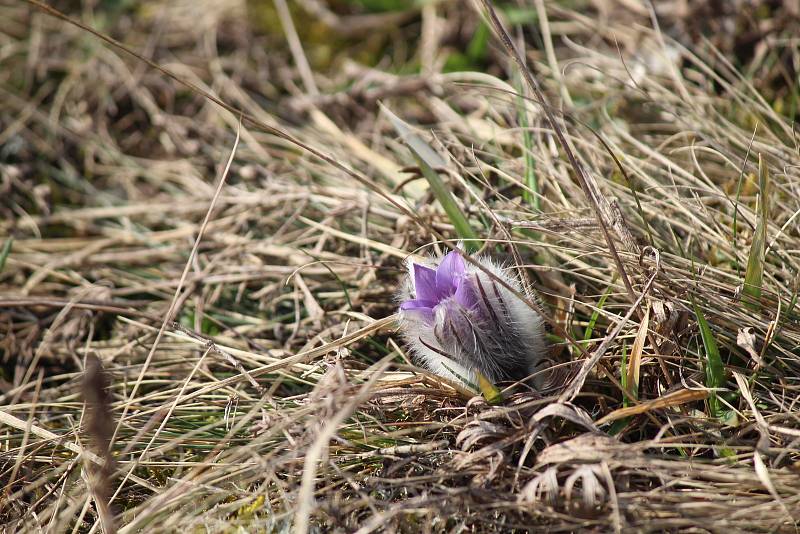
[280,395]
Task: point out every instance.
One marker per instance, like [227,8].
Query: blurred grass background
[159,374]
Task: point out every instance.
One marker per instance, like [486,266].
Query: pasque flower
[457,319]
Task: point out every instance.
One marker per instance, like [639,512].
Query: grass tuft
[755,260]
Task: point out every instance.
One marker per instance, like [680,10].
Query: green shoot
[429,161]
[5,252]
[714,368]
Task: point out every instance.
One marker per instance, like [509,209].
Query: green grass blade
[623,376]
[620,424]
[714,368]
[479,44]
[531,195]
[429,160]
[587,335]
[755,260]
[5,252]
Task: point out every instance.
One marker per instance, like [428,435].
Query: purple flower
[457,319]
[435,287]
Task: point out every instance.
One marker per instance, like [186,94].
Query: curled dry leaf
[591,489]
[584,464]
[543,487]
[746,338]
[476,431]
[586,448]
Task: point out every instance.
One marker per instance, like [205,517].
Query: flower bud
[457,319]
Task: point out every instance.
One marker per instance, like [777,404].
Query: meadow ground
[200,248]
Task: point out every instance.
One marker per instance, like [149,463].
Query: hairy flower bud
[457,320]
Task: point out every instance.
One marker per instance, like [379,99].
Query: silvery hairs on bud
[457,319]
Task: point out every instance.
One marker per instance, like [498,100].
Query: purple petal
[425,283]
[416,304]
[465,294]
[449,272]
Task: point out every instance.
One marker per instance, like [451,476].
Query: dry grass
[255,377]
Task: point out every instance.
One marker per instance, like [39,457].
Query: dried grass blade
[635,360]
[15,422]
[315,453]
[172,310]
[380,247]
[763,475]
[671,399]
[755,260]
[741,381]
